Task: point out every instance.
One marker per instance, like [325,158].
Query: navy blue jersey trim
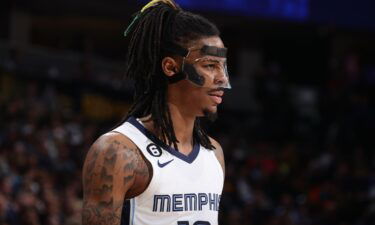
[125,214]
[187,158]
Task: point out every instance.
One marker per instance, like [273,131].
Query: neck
[183,126]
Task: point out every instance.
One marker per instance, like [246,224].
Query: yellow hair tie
[171,3]
[154,2]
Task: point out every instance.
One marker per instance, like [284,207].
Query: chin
[211,115]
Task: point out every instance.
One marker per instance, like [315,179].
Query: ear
[169,66]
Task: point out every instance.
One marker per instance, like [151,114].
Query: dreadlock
[156,26]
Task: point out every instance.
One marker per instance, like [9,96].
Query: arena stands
[303,155]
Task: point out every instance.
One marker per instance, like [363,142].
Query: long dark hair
[156,27]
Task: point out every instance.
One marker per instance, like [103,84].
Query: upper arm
[108,173]
[219,153]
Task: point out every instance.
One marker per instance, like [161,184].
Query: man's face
[202,100]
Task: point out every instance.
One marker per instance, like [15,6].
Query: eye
[210,66]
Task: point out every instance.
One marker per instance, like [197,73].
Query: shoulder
[111,146]
[113,137]
[116,157]
[218,152]
[107,151]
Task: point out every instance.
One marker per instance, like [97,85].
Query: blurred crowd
[307,156]
[304,155]
[41,154]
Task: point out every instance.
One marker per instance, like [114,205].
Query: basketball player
[159,167]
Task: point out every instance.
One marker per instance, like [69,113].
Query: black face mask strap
[187,69]
[193,76]
[175,49]
[214,51]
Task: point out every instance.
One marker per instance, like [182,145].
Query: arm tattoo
[101,214]
[108,170]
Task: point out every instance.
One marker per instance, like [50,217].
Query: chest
[173,175]
[181,186]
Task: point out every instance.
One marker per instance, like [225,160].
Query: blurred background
[297,129]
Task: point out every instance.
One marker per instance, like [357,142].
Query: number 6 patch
[154,150]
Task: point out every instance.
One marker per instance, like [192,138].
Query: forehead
[194,46]
[209,41]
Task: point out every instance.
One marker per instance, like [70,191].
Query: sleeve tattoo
[107,174]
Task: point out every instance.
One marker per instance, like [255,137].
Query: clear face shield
[206,71]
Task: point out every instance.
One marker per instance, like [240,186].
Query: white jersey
[184,190]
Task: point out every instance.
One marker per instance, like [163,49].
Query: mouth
[216,95]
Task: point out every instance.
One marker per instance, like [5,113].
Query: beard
[211,116]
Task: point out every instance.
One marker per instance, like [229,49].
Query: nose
[222,79]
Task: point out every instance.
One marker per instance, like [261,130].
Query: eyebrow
[213,60]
